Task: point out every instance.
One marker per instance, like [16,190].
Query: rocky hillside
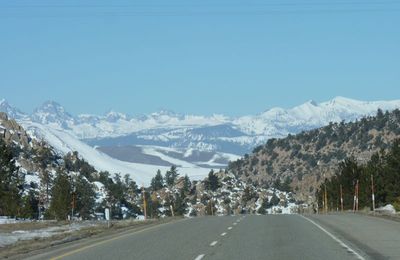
[221,193]
[37,182]
[216,134]
[31,155]
[305,159]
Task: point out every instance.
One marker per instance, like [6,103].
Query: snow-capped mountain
[9,110]
[165,138]
[52,113]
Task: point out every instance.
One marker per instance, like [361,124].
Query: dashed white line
[223,234]
[349,249]
[214,243]
[235,224]
[199,257]
[229,228]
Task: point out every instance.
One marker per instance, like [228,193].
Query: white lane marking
[235,224]
[223,234]
[214,243]
[229,228]
[349,249]
[199,257]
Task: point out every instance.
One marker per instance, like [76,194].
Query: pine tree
[30,204]
[11,182]
[84,197]
[186,184]
[274,200]
[44,157]
[212,182]
[132,190]
[171,176]
[157,181]
[180,204]
[61,196]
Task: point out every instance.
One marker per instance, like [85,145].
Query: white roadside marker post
[373,193]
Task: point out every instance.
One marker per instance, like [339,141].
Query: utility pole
[325,196]
[73,203]
[144,203]
[357,188]
[355,197]
[171,207]
[211,206]
[341,198]
[355,203]
[325,200]
[373,193]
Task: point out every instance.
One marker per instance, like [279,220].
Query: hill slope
[304,159]
[197,143]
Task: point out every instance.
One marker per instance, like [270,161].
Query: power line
[211,4]
[197,9]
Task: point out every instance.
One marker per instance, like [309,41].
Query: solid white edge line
[223,234]
[335,238]
[213,243]
[199,257]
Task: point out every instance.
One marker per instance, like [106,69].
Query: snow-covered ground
[142,173]
[227,137]
[18,235]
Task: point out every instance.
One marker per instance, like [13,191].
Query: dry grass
[21,248]
[8,228]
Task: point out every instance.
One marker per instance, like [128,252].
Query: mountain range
[120,142]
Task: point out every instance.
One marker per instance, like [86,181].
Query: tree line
[65,185]
[380,174]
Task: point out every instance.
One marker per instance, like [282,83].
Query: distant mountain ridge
[274,122]
[214,139]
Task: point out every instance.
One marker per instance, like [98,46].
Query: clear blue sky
[198,57]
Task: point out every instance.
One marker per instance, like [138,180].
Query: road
[345,236]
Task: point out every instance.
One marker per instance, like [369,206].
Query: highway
[343,236]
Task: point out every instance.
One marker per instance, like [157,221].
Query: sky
[197,57]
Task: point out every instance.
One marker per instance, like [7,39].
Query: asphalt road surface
[344,236]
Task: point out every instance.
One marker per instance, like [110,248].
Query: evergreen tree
[84,197]
[132,190]
[274,201]
[60,205]
[186,184]
[44,158]
[171,176]
[11,182]
[212,182]
[180,204]
[30,204]
[157,182]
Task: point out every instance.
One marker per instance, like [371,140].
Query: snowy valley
[139,145]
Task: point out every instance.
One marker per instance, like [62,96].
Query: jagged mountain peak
[165,112]
[113,116]
[51,112]
[51,106]
[312,102]
[11,111]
